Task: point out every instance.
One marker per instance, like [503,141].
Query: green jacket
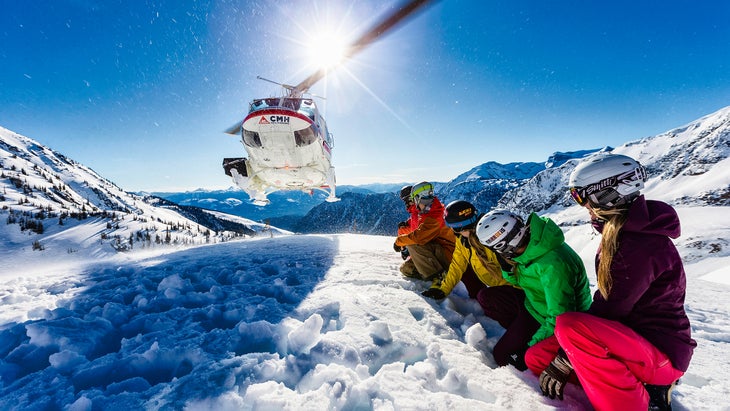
[551,274]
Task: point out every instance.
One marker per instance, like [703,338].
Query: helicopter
[287,140]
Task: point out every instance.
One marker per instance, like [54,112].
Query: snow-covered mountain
[686,166]
[45,193]
[689,165]
[374,213]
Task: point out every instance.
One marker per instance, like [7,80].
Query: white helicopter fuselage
[289,148]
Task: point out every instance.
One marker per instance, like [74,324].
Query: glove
[397,248]
[404,253]
[503,263]
[434,293]
[553,379]
[403,224]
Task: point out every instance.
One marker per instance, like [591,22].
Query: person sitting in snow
[634,342]
[406,226]
[478,268]
[431,243]
[535,257]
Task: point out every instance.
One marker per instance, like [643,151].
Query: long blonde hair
[614,220]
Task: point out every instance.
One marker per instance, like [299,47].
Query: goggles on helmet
[592,192]
[511,241]
[422,192]
[463,225]
[578,194]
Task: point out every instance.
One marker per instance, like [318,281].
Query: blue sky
[141,91]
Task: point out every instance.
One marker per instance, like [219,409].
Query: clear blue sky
[141,91]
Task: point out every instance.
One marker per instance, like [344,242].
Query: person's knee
[567,325]
[569,319]
[534,363]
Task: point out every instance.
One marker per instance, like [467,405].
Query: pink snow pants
[611,360]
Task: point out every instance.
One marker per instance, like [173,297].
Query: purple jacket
[649,283]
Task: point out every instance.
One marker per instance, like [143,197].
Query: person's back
[648,283]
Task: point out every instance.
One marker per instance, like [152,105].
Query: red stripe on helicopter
[277,112]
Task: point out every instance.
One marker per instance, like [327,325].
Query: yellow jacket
[482,260]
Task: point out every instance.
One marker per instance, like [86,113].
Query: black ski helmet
[460,215]
[405,193]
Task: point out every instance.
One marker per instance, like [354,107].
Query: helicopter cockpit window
[292,103]
[305,137]
[307,108]
[251,138]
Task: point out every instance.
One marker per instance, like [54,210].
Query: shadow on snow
[178,317]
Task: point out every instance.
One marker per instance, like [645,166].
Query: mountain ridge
[686,166]
[42,191]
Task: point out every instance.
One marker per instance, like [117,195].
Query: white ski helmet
[502,231]
[607,181]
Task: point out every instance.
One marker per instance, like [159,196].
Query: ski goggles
[578,194]
[581,195]
[511,242]
[422,191]
[463,225]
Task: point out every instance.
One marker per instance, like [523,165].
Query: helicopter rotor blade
[286,86]
[233,130]
[385,25]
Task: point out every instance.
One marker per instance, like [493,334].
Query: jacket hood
[652,217]
[545,235]
[435,210]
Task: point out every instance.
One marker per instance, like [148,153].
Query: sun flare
[326,50]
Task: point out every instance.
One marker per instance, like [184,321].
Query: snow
[295,322]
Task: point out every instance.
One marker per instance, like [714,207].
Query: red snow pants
[611,360]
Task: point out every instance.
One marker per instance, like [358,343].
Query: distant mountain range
[285,209]
[687,166]
[672,158]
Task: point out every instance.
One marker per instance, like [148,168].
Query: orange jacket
[412,220]
[431,227]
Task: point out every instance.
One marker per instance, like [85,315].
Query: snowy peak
[40,190]
[494,170]
[41,176]
[687,165]
[557,159]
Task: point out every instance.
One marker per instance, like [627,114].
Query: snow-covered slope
[305,322]
[43,193]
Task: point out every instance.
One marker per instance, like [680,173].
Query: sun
[326,50]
